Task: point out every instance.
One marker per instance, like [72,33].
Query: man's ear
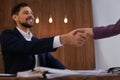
[15,17]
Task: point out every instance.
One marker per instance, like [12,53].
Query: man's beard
[26,25]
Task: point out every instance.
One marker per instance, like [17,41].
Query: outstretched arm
[103,31]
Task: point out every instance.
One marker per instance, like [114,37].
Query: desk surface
[67,78]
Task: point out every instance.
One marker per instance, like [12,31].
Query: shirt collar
[28,36]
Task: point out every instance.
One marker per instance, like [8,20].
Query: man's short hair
[17,8]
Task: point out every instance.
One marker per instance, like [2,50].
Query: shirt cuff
[56,42]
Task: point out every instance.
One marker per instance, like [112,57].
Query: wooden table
[110,77]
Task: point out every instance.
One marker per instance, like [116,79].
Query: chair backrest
[1,62]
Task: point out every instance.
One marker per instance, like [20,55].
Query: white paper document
[7,75]
[53,73]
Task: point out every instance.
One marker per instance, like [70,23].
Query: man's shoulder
[5,34]
[8,34]
[7,31]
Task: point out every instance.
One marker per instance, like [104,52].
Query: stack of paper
[53,73]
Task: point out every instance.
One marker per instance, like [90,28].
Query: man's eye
[25,12]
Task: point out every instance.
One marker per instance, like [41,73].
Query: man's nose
[31,15]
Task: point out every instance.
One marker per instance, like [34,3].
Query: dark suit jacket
[18,54]
[47,60]
[106,31]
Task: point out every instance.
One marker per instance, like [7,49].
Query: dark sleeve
[54,63]
[11,43]
[106,31]
[47,60]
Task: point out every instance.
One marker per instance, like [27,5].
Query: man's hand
[88,31]
[76,37]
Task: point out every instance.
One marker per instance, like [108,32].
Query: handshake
[76,37]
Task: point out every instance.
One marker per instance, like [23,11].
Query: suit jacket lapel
[18,34]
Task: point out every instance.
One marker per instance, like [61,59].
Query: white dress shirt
[28,36]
